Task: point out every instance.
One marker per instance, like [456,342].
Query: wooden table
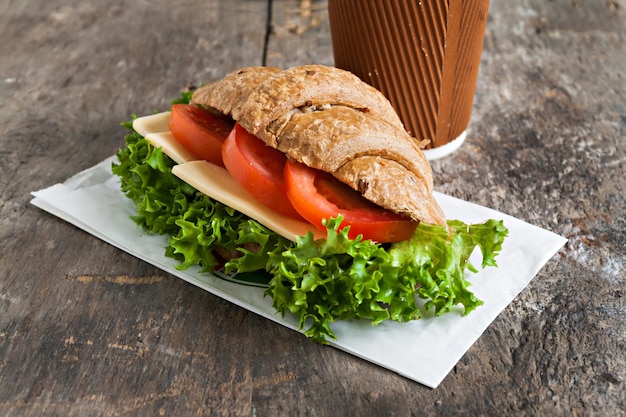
[88,330]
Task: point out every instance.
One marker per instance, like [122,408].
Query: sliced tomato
[200,131]
[258,168]
[317,195]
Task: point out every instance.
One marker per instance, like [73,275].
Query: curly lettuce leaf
[322,281]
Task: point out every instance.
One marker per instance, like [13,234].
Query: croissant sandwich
[306,180]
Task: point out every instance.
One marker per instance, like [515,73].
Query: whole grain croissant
[330,120]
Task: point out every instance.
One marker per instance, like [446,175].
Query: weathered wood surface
[87,330]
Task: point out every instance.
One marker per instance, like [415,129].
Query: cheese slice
[154,123]
[215,181]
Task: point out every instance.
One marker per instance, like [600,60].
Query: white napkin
[424,350]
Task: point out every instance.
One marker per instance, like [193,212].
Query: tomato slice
[317,195]
[200,131]
[258,168]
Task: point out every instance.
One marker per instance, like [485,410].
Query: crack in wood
[120,279]
[268,32]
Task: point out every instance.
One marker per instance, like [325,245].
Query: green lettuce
[319,281]
[322,281]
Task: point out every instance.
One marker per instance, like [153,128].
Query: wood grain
[88,330]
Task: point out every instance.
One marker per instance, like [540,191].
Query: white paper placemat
[424,350]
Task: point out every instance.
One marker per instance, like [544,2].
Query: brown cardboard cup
[423,55]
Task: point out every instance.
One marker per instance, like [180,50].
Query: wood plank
[84,328]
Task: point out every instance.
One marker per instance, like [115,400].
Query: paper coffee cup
[423,55]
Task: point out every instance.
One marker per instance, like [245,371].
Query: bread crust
[330,120]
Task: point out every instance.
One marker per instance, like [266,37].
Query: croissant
[329,119]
